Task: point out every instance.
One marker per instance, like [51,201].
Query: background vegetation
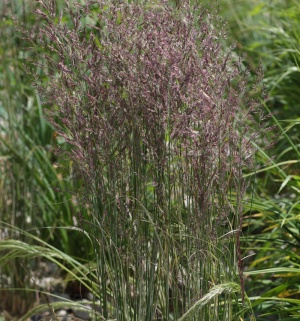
[40,215]
[267,33]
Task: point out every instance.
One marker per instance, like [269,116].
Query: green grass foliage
[267,33]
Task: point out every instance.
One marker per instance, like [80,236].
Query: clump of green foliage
[28,174]
[268,33]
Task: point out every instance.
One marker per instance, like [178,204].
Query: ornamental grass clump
[150,105]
